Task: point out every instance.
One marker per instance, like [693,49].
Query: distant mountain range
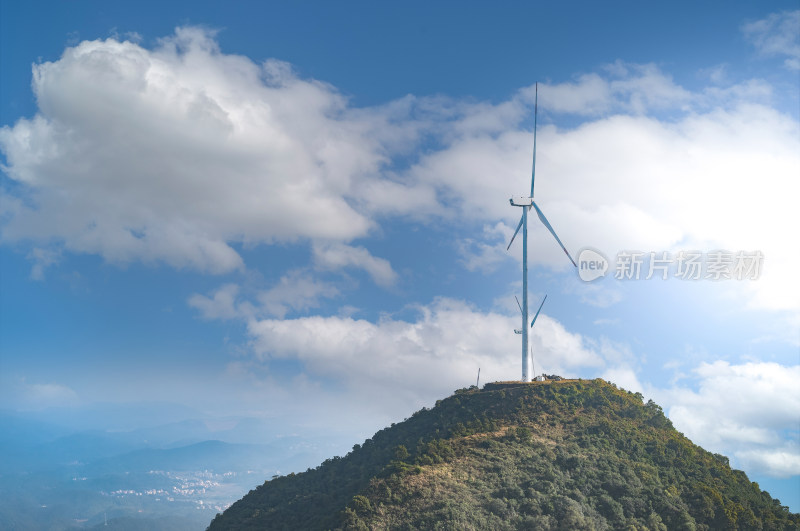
[175,476]
[554,455]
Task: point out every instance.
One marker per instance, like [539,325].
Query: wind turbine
[526,362]
[526,202]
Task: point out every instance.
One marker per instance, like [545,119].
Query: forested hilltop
[570,454]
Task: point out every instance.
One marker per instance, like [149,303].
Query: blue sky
[300,211]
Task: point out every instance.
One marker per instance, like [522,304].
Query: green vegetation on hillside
[552,455]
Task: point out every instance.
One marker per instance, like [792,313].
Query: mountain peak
[568,454]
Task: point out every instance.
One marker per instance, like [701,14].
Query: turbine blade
[515,234]
[518,304]
[539,310]
[535,115]
[553,232]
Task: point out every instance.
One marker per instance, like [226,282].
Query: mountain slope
[547,455]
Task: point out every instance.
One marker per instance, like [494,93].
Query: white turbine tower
[527,361]
[526,202]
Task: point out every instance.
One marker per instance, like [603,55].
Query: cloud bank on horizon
[184,155]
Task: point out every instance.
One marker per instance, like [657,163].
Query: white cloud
[777,35]
[394,361]
[629,88]
[176,153]
[222,305]
[623,377]
[780,462]
[485,255]
[749,411]
[589,94]
[296,291]
[42,259]
[170,154]
[332,255]
[632,181]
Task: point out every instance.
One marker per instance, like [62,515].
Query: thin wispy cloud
[777,35]
[327,255]
[297,291]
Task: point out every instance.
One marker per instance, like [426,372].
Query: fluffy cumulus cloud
[748,411]
[395,361]
[173,153]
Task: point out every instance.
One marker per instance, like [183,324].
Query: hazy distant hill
[554,455]
[165,477]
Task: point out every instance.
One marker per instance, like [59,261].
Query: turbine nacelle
[521,201]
